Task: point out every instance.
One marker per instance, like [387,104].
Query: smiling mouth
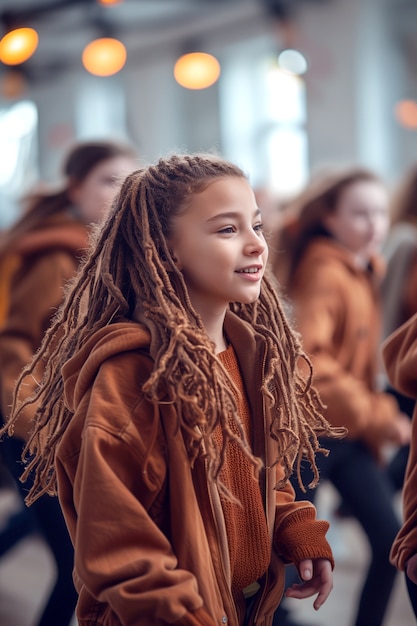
[249,270]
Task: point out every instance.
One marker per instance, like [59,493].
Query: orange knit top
[247,530]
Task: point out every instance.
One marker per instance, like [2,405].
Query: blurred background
[284,88]
[293,86]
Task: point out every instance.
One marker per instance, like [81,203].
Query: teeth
[249,270]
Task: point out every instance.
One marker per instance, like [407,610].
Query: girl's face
[94,195]
[361,219]
[219,246]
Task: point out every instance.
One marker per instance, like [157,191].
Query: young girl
[171,412]
[327,259]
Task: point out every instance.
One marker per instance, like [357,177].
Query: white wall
[356,74]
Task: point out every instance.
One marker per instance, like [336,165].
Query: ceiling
[66,26]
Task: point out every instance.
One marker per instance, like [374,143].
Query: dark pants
[368,494]
[48,519]
[412,593]
[397,465]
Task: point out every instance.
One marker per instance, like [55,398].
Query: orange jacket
[336,311]
[47,259]
[148,529]
[400,357]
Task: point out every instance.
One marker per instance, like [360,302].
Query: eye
[259,228]
[227,230]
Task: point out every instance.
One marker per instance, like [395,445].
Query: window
[18,156]
[283,134]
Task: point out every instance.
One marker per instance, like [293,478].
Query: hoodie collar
[79,371]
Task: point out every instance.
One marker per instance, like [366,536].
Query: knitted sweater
[247,530]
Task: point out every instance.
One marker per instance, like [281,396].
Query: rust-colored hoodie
[148,529]
[46,259]
[400,356]
[336,311]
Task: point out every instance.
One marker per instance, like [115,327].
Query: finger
[322,596]
[302,590]
[305,569]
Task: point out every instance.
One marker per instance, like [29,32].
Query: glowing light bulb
[104,57]
[197,70]
[292,61]
[18,46]
[406,113]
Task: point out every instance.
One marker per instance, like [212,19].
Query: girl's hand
[411,568]
[317,578]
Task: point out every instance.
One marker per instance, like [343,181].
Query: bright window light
[18,156]
[292,61]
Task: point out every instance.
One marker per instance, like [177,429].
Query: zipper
[266,474]
[222,545]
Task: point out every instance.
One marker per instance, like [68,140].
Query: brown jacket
[148,529]
[46,259]
[400,357]
[337,314]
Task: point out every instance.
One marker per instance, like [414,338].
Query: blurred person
[399,289]
[184,411]
[39,254]
[329,264]
[400,357]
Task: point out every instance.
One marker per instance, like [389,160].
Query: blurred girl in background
[327,260]
[38,255]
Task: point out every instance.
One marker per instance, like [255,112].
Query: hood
[73,237]
[79,372]
[64,233]
[325,246]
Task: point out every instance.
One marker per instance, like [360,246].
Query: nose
[255,244]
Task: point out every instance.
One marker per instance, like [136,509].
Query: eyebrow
[231,214]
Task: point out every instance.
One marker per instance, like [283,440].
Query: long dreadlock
[130,274]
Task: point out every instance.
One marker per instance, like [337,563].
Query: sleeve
[399,353]
[122,557]
[35,295]
[319,311]
[400,356]
[298,535]
[405,544]
[410,288]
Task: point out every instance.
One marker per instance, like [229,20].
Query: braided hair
[130,273]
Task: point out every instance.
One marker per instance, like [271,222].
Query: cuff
[301,536]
